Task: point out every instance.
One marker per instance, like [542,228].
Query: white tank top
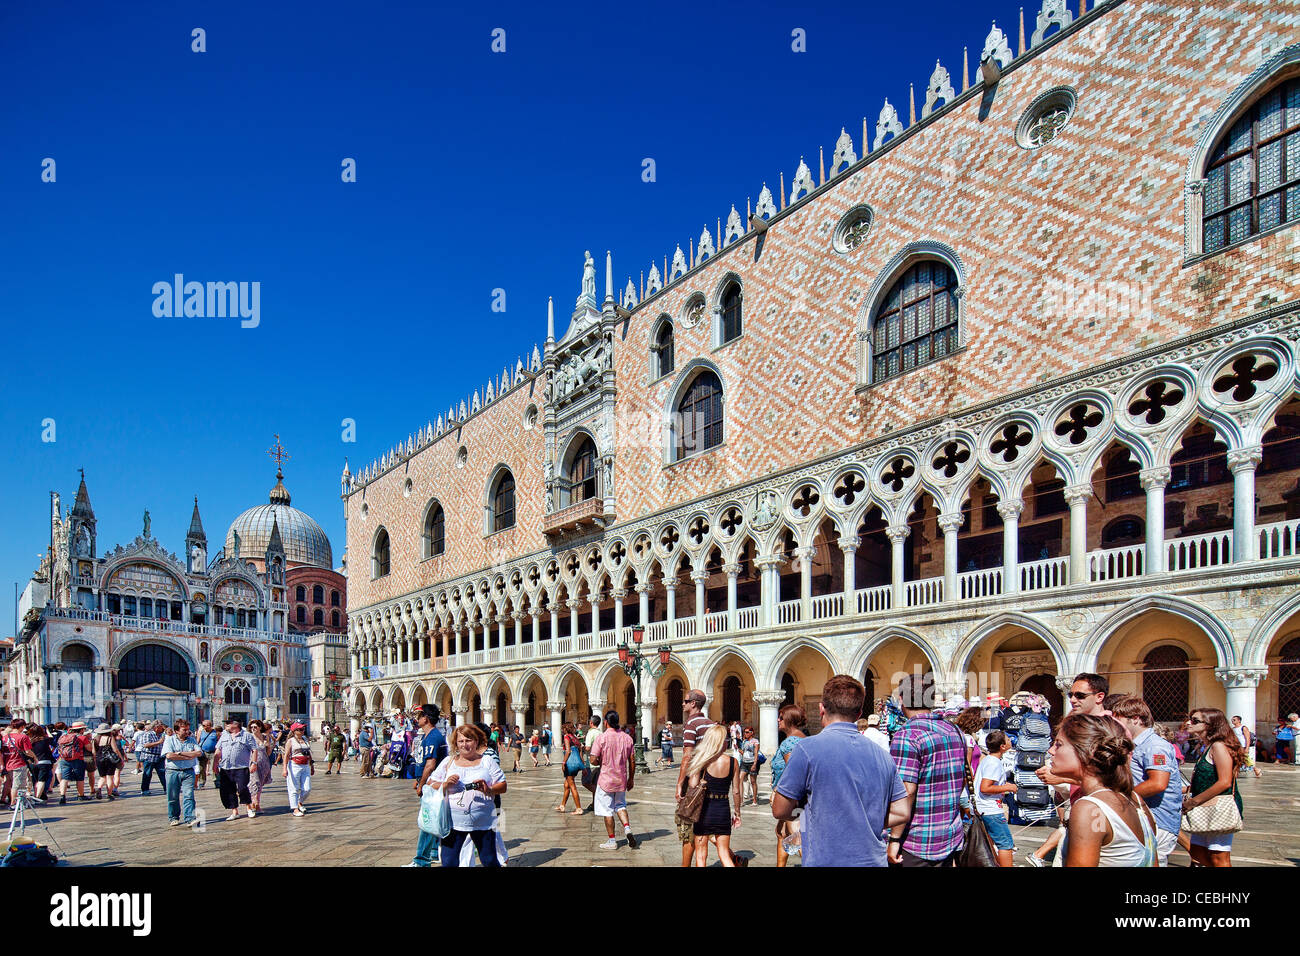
[1124,848]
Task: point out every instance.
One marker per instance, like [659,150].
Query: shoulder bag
[1219,815]
[978,850]
[691,803]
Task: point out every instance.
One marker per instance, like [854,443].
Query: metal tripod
[22,806]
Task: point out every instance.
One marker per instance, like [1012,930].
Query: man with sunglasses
[694,724]
[1086,696]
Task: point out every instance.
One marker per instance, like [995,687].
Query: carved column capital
[1077,493]
[768,698]
[1197,186]
[1231,677]
[1245,459]
[951,522]
[1011,509]
[1154,478]
[555,705]
[618,593]
[897,532]
[731,570]
[850,544]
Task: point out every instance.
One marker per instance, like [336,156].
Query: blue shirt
[1153,752]
[432,746]
[208,741]
[174,745]
[849,783]
[236,749]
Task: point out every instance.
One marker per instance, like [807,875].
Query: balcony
[584,515]
[873,606]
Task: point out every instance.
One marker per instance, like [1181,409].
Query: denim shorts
[999,832]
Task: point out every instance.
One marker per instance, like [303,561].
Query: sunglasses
[1078,695]
[1195,720]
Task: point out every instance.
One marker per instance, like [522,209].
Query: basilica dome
[304,541]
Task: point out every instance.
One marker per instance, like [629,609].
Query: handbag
[1219,815]
[691,804]
[978,850]
[435,813]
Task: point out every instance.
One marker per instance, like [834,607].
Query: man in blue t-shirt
[208,737]
[1156,777]
[852,790]
[429,751]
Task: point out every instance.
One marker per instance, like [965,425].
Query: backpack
[70,748]
[1035,734]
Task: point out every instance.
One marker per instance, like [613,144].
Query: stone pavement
[355,822]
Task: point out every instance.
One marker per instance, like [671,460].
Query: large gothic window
[435,531]
[153,664]
[379,563]
[238,692]
[698,425]
[581,480]
[731,318]
[917,322]
[503,502]
[1165,682]
[661,358]
[1253,180]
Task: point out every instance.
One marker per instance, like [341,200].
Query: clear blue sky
[476,171]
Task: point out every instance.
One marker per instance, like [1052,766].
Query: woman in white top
[299,765]
[1109,825]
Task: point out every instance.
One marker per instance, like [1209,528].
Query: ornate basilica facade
[137,633]
[1008,394]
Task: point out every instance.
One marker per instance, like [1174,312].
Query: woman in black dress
[711,762]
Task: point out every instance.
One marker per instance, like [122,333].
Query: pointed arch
[966,648]
[709,672]
[520,690]
[1255,652]
[1215,629]
[556,690]
[878,639]
[787,653]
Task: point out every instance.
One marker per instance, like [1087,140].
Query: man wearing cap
[694,724]
[233,756]
[428,754]
[73,748]
[17,757]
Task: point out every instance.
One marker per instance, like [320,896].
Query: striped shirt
[150,743]
[694,729]
[931,753]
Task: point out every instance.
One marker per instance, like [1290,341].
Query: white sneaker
[1035,860]
[251,813]
[610,844]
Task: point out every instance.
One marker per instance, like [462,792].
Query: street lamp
[635,662]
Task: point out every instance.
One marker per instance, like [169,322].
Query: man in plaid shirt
[930,753]
[151,747]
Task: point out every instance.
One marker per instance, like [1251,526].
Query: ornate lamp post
[635,662]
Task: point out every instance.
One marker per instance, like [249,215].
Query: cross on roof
[277,452]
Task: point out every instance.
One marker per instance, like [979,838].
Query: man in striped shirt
[151,747]
[693,727]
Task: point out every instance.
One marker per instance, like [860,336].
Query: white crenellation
[844,155]
[1053,13]
[735,229]
[940,88]
[803,182]
[888,124]
[705,248]
[653,282]
[678,268]
[996,48]
[766,207]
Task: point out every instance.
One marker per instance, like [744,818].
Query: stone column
[849,547]
[459,710]
[519,718]
[556,708]
[501,632]
[1010,512]
[597,706]
[1077,496]
[648,719]
[595,618]
[573,618]
[519,629]
[1240,684]
[670,588]
[618,594]
[699,578]
[1153,482]
[1243,462]
[767,600]
[897,534]
[537,629]
[643,604]
[769,705]
[732,570]
[555,624]
[805,556]
[950,524]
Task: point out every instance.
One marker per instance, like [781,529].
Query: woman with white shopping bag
[469,778]
[1212,810]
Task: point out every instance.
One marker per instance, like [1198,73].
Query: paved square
[355,822]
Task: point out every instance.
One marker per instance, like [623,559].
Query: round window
[462,456]
[1047,115]
[852,229]
[530,417]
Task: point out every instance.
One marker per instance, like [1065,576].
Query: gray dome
[303,539]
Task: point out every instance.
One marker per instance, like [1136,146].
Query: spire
[550,319]
[609,276]
[275,544]
[196,526]
[81,506]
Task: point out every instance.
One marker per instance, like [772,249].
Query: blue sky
[475,171]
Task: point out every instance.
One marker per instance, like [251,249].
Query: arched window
[731,709]
[1124,530]
[317,595]
[153,664]
[1122,480]
[302,614]
[334,598]
[580,484]
[379,563]
[1165,682]
[503,502]
[1203,458]
[661,350]
[318,617]
[787,688]
[334,618]
[435,532]
[238,692]
[302,593]
[1253,178]
[917,322]
[731,326]
[698,416]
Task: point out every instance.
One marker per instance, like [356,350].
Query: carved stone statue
[765,513]
[146,522]
[589,277]
[234,554]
